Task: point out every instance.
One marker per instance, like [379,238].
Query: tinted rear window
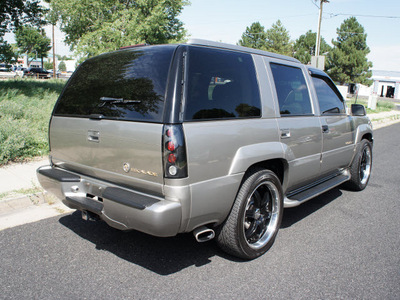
[221,85]
[123,85]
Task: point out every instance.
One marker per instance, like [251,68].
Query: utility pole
[54,52]
[318,43]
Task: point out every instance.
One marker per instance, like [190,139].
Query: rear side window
[329,101]
[123,85]
[221,85]
[291,88]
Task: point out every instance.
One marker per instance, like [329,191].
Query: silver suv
[202,137]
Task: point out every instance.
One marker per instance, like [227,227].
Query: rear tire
[360,169]
[255,218]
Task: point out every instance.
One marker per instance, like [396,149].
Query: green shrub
[25,110]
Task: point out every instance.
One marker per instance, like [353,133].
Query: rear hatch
[108,122]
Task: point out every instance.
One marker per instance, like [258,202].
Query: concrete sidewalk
[18,176]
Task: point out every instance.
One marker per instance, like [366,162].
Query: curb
[25,201]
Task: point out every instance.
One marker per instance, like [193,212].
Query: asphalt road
[341,245]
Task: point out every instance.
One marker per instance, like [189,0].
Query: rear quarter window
[221,85]
[124,85]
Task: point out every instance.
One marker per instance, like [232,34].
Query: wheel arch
[270,156]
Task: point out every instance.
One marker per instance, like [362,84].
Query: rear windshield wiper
[112,100]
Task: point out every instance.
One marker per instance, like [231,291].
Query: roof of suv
[207,43]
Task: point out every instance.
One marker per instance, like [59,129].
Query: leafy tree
[48,65]
[13,15]
[62,67]
[278,39]
[7,55]
[347,62]
[32,41]
[93,27]
[254,37]
[304,47]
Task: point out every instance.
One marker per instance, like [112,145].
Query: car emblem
[126,167]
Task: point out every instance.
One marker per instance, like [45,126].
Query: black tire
[360,169]
[255,218]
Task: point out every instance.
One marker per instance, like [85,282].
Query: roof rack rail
[134,46]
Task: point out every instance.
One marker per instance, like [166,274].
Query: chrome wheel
[365,165]
[261,215]
[254,220]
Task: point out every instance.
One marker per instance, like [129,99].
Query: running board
[303,196]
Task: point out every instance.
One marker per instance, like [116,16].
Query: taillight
[174,150]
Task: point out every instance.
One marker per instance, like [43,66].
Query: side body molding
[249,155]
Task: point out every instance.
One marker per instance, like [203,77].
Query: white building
[386,84]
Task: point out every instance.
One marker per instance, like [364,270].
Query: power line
[332,15]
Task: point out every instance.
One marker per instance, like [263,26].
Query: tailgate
[125,153]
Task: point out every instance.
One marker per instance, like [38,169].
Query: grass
[381,105]
[20,192]
[25,110]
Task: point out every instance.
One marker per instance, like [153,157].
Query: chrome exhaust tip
[203,234]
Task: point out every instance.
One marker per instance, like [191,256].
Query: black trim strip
[59,175]
[83,203]
[128,198]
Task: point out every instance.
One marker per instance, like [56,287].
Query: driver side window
[329,102]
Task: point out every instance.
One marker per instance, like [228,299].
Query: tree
[62,67]
[347,62]
[93,27]
[32,41]
[14,14]
[278,39]
[48,65]
[7,55]
[254,37]
[304,47]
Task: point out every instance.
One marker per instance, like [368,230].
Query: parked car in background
[37,73]
[7,73]
[58,73]
[19,70]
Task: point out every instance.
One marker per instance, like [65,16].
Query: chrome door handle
[285,133]
[325,128]
[93,136]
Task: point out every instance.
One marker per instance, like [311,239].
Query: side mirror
[358,110]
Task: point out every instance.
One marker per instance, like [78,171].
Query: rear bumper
[121,208]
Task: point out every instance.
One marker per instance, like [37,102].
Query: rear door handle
[93,136]
[285,133]
[325,128]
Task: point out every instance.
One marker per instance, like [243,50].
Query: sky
[226,20]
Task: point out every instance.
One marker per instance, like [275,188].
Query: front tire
[360,169]
[255,218]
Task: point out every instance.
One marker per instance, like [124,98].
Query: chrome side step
[298,198]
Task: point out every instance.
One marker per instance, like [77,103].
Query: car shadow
[163,256]
[166,256]
[298,213]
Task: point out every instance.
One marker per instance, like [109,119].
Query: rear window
[221,85]
[123,85]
